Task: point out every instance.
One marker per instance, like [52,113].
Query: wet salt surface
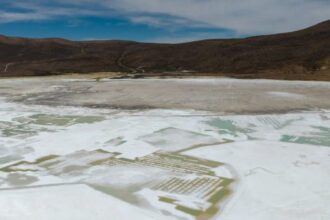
[209,94]
[162,164]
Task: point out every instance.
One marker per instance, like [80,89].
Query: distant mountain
[303,54]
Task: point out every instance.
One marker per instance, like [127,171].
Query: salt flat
[60,202]
[205,94]
[59,145]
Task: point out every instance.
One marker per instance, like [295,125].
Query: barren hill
[303,54]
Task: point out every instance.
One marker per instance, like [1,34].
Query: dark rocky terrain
[303,55]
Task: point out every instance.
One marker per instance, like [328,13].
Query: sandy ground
[206,94]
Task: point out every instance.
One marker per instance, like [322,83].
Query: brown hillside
[302,54]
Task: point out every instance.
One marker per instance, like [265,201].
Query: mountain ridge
[302,54]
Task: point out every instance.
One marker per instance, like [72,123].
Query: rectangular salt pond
[164,164]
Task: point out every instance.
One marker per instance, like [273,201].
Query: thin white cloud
[243,16]
[13,16]
[264,16]
[37,11]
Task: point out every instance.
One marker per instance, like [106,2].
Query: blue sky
[157,20]
[98,28]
